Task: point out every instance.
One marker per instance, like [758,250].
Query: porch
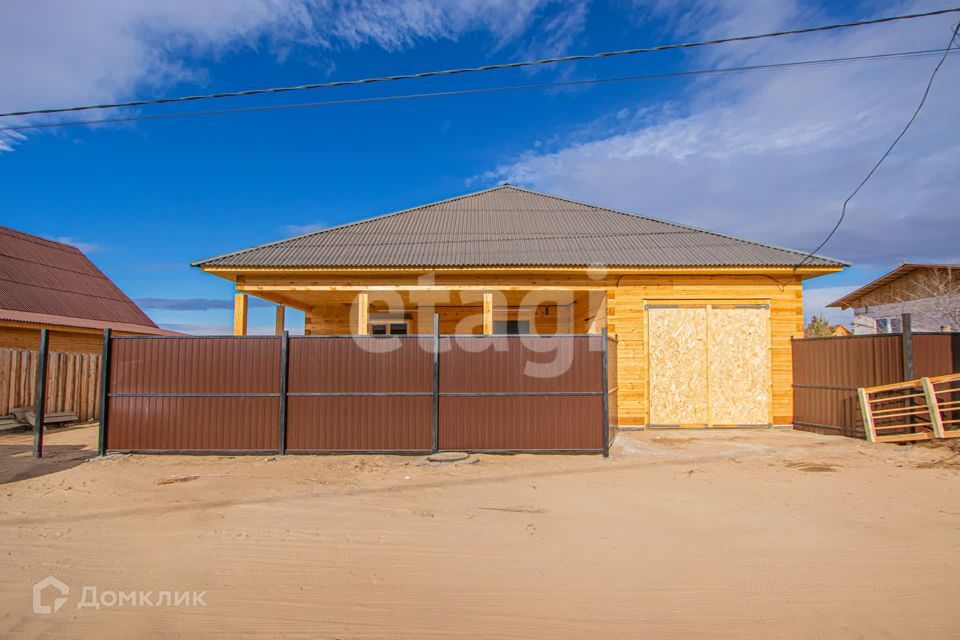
[410,310]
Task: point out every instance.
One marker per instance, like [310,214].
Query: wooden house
[930,293]
[50,285]
[703,320]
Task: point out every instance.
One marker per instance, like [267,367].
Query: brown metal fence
[358,394]
[828,371]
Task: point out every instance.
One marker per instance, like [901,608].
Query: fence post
[284,359]
[605,433]
[436,382]
[906,345]
[41,396]
[104,393]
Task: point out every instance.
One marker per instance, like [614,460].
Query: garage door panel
[739,366]
[678,365]
[709,365]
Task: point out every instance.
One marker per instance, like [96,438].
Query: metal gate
[358,394]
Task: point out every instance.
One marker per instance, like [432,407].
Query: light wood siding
[335,319]
[625,296]
[627,321]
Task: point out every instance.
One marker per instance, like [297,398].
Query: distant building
[930,293]
[51,285]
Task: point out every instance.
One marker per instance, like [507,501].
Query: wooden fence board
[72,381]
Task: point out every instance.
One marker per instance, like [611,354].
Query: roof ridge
[679,225]
[32,237]
[274,243]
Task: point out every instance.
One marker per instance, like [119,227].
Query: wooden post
[933,406]
[281,317]
[41,395]
[240,314]
[363,313]
[868,427]
[487,312]
[906,345]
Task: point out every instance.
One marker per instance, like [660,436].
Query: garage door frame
[709,305]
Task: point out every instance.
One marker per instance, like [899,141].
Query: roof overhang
[68,323]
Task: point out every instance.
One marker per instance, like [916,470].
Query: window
[511,327]
[889,325]
[389,328]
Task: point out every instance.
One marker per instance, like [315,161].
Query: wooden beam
[281,317]
[240,314]
[363,313]
[413,287]
[488,312]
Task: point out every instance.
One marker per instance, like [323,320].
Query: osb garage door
[709,365]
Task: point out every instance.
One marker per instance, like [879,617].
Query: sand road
[753,534]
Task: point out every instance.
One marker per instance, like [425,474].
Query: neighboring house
[703,320]
[930,293]
[51,285]
[840,331]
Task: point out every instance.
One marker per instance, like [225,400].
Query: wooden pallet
[910,411]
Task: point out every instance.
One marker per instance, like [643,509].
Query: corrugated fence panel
[936,354]
[375,367]
[195,365]
[193,424]
[521,423]
[358,365]
[828,371]
[359,423]
[492,364]
[194,394]
[514,366]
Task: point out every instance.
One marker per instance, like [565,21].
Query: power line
[523,87]
[491,67]
[916,112]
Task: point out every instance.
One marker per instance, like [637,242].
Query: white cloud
[772,155]
[86,247]
[60,52]
[300,229]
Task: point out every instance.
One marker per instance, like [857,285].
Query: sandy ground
[679,534]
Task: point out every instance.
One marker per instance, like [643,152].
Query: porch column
[281,317]
[240,314]
[487,312]
[363,313]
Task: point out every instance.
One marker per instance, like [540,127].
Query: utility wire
[916,112]
[490,67]
[522,87]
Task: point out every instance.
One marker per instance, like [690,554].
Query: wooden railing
[910,411]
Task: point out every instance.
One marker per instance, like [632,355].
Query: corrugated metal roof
[43,278]
[509,226]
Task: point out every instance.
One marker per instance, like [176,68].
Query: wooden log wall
[72,381]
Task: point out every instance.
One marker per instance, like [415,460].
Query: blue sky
[766,155]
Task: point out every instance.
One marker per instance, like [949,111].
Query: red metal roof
[49,282]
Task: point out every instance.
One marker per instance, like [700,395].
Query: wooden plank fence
[72,382]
